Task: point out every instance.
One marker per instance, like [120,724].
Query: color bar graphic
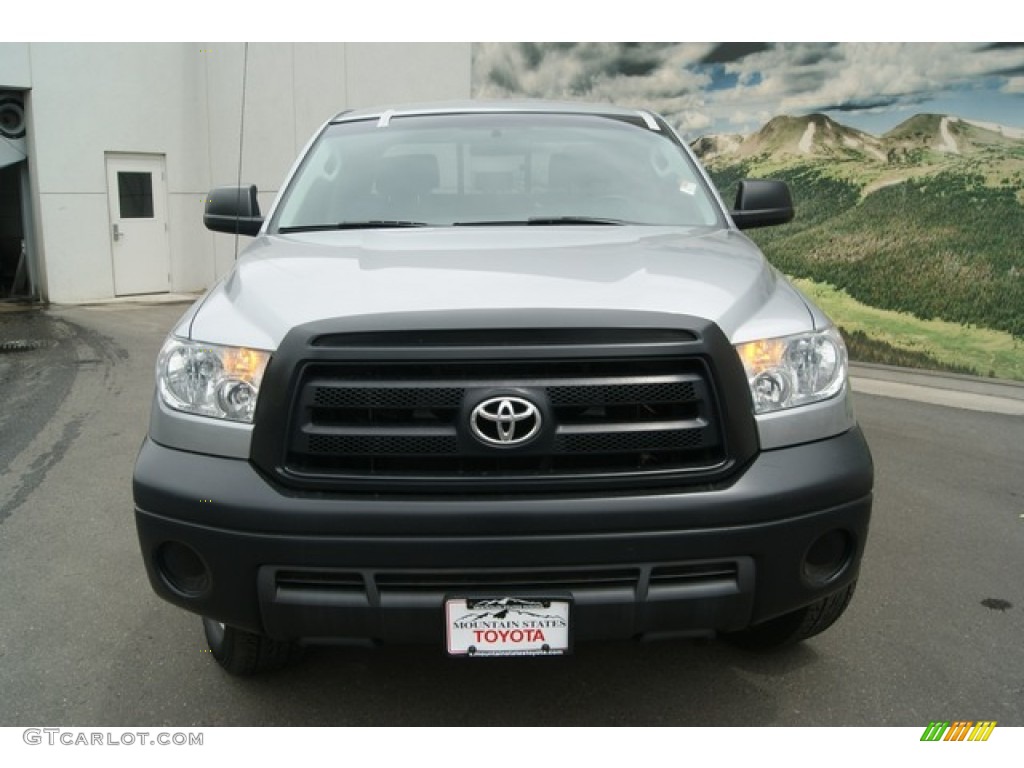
[958,730]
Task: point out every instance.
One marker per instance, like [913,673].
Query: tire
[245,653]
[794,627]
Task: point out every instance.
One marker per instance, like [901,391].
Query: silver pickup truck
[501,378]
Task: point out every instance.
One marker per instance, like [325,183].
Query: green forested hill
[942,246]
[926,220]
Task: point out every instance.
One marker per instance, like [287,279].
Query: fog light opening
[182,569]
[827,557]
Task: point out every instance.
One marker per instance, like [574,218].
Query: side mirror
[234,210]
[762,203]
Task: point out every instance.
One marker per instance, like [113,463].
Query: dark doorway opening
[14,268]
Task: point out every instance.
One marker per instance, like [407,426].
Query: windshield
[491,170]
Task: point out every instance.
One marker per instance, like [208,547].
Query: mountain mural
[922,144]
[815,136]
[908,180]
[927,218]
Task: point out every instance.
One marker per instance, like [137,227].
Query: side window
[491,173]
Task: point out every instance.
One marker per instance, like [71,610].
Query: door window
[135,193]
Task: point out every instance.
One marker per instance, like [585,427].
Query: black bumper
[318,566]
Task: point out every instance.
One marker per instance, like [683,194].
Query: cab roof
[384,114]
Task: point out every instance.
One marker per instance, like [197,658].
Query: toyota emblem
[505,421]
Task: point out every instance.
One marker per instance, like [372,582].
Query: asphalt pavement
[933,632]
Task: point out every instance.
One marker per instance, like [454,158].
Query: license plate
[507,626]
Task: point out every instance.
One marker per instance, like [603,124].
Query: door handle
[118,234]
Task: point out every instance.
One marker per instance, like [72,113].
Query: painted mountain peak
[813,137]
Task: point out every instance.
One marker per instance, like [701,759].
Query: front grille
[396,419]
[333,446]
[390,418]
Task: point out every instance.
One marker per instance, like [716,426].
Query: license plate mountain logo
[501,609]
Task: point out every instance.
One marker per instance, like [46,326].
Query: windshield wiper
[371,224]
[537,221]
[542,221]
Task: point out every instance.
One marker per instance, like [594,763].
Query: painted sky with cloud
[707,88]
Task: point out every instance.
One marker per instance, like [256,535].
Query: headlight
[794,370]
[210,380]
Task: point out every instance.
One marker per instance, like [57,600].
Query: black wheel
[796,626]
[246,653]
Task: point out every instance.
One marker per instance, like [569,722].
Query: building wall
[14,66]
[184,101]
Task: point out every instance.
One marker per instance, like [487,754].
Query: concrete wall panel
[78,260]
[184,101]
[385,73]
[15,71]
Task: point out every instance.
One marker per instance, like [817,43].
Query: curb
[950,390]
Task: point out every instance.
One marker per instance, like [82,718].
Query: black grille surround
[640,579]
[653,402]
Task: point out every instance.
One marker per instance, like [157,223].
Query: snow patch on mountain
[948,142]
[807,140]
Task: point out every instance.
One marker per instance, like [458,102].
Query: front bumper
[692,561]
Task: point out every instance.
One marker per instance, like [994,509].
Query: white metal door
[137,197]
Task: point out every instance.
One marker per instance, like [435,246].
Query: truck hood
[286,280]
